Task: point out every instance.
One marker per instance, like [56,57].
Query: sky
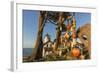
[30,26]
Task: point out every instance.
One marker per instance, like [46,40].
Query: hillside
[86,29]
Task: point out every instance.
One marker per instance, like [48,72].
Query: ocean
[27,51]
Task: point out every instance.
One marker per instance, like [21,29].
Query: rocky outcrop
[86,30]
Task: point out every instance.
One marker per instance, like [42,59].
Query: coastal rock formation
[86,30]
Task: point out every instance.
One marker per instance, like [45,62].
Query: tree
[59,25]
[39,43]
[57,18]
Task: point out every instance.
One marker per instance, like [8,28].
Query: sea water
[27,51]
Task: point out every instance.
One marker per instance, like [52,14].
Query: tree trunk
[58,33]
[39,43]
[39,46]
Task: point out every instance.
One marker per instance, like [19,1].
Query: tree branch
[45,19]
[51,21]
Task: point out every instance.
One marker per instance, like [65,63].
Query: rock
[86,30]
